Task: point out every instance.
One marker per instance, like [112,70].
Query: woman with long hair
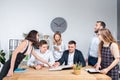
[58,46]
[25,48]
[108,52]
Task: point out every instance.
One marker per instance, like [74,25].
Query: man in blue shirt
[93,49]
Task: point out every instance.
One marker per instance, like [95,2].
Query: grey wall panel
[118,21]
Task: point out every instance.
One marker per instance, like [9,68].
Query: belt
[93,56]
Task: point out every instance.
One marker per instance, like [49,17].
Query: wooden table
[45,74]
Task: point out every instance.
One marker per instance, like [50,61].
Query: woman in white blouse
[44,53]
[58,46]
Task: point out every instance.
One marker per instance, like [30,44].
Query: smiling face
[57,37]
[43,48]
[71,48]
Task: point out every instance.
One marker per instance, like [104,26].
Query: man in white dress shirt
[93,49]
[44,53]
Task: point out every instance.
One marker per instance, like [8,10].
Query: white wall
[21,16]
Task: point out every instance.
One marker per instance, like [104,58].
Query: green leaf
[2,56]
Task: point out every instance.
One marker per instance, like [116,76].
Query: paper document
[65,67]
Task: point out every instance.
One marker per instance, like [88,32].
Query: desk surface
[45,74]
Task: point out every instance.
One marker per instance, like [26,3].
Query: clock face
[59,24]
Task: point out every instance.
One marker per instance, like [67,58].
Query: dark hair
[42,42]
[102,23]
[72,42]
[32,37]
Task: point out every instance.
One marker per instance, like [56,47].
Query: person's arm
[98,66]
[115,53]
[56,64]
[88,53]
[39,58]
[62,59]
[14,54]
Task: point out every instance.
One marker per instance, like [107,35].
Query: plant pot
[76,72]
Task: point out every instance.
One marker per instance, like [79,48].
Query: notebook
[65,67]
[92,70]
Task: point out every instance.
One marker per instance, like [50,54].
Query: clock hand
[56,23]
[61,24]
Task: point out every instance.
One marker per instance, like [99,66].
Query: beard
[96,31]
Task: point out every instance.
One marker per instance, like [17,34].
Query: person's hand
[86,60]
[42,65]
[104,71]
[38,67]
[49,65]
[10,73]
[56,48]
[56,64]
[97,66]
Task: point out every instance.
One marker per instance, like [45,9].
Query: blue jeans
[92,60]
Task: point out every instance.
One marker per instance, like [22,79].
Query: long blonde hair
[55,42]
[107,37]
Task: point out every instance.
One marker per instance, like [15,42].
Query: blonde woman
[58,46]
[108,58]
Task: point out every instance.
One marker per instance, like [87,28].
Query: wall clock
[58,24]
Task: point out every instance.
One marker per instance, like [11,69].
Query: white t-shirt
[48,56]
[70,58]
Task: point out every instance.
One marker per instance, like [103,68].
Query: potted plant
[77,67]
[2,57]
